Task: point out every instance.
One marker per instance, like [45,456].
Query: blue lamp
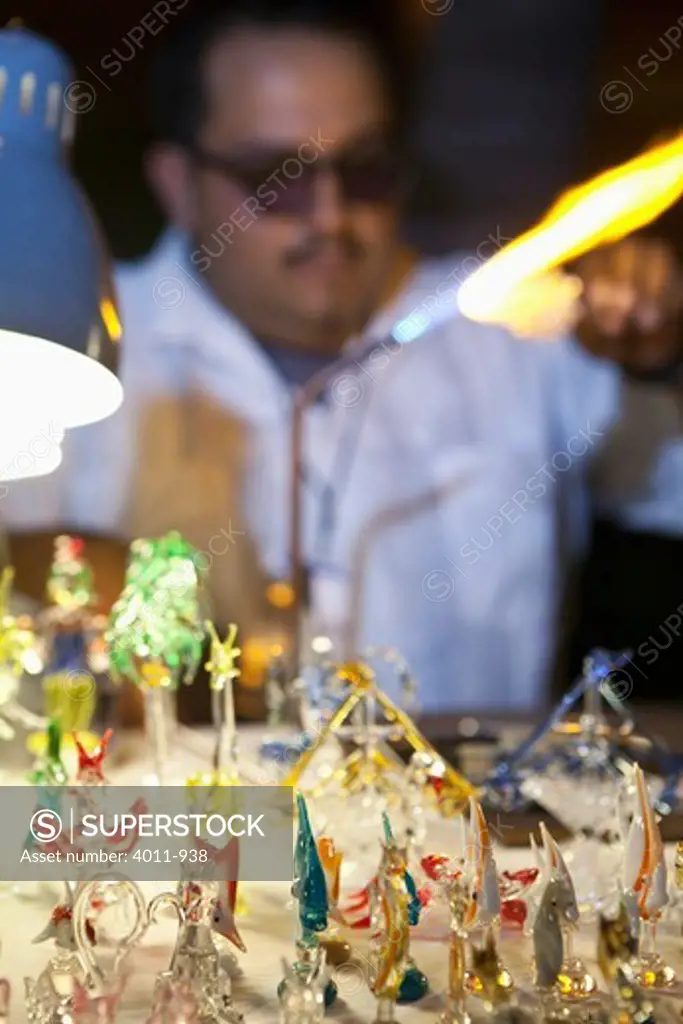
[59,329]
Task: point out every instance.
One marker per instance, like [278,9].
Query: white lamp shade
[58,385]
[59,327]
[26,462]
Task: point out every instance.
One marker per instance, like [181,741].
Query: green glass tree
[157,628]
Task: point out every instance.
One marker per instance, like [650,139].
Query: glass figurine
[275,686]
[337,949]
[49,999]
[302,994]
[562,979]
[174,1002]
[205,909]
[310,893]
[96,999]
[18,655]
[414,984]
[368,717]
[75,674]
[95,1009]
[617,939]
[390,947]
[500,1004]
[90,771]
[156,630]
[351,772]
[645,881]
[457,895]
[74,986]
[484,905]
[49,769]
[616,956]
[572,769]
[472,890]
[70,583]
[222,675]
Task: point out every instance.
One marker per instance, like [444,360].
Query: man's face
[291,198]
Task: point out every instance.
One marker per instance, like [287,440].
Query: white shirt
[467,488]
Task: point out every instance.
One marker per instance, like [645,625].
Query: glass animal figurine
[90,771]
[562,980]
[337,949]
[74,986]
[50,998]
[302,994]
[395,907]
[174,1002]
[646,886]
[470,886]
[205,909]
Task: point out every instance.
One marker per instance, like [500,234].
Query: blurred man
[443,479]
[632,588]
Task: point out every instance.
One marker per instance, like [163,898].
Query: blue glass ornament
[310,887]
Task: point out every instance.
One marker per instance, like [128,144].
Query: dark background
[511,110]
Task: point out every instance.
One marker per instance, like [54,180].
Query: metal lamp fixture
[59,328]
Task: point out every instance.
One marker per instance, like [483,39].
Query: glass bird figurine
[562,979]
[645,882]
[205,909]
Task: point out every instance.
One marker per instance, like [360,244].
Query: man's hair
[177,99]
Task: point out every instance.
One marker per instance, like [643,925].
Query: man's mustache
[319,245]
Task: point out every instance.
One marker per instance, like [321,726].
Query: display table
[267,929]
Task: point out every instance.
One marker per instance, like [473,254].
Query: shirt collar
[197,316]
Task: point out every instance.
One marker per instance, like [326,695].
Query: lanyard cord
[332,489]
[329,487]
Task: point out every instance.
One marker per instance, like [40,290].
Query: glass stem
[369,739]
[218,724]
[385,1011]
[456,975]
[155,726]
[230,730]
[223,714]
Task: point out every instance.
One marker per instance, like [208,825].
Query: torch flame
[603,210]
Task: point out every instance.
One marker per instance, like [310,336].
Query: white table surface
[267,929]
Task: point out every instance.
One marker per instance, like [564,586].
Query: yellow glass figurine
[337,949]
[369,718]
[18,654]
[72,632]
[483,911]
[222,674]
[392,944]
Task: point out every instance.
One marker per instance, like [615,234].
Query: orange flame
[605,209]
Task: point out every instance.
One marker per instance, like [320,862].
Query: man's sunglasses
[285,184]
